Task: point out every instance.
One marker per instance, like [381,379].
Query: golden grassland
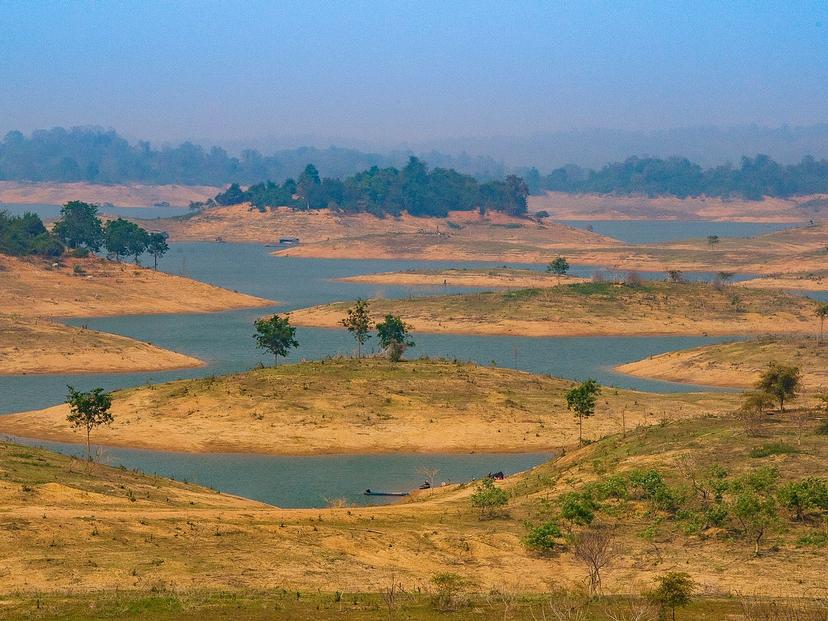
[565,206]
[737,364]
[97,529]
[35,290]
[588,309]
[41,346]
[121,195]
[345,405]
[499,278]
[327,233]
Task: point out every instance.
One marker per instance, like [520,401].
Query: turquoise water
[224,341]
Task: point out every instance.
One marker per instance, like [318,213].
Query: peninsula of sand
[593,309]
[36,291]
[346,405]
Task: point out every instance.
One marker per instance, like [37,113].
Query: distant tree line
[102,156]
[414,189]
[81,231]
[752,179]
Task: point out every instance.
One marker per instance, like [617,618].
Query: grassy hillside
[499,278]
[737,364]
[371,405]
[173,550]
[594,309]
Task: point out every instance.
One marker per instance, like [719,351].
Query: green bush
[489,498]
[578,508]
[544,538]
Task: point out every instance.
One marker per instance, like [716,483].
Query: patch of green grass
[816,539]
[773,448]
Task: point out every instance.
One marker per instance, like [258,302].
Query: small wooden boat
[368,492]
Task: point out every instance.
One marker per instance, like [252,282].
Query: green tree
[821,313]
[358,323]
[448,587]
[581,399]
[559,267]
[804,496]
[753,503]
[394,336]
[276,335]
[544,538]
[157,246]
[79,226]
[783,382]
[489,498]
[88,410]
[125,238]
[674,590]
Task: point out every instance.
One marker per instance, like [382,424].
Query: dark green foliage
[88,410]
[804,496]
[489,498]
[674,590]
[650,485]
[394,336]
[753,179]
[544,538]
[581,399]
[157,246]
[783,382]
[578,508]
[123,238]
[276,335]
[25,235]
[386,191]
[79,226]
[559,267]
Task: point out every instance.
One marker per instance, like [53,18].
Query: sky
[407,72]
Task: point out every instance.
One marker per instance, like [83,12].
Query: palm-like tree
[822,313]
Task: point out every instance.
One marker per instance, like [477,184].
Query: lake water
[224,341]
[654,231]
[49,212]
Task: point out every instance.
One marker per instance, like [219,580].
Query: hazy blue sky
[390,71]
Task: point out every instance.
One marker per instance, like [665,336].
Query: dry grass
[593,309]
[737,364]
[124,195]
[69,528]
[498,278]
[370,405]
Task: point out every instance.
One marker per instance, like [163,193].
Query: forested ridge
[414,189]
[102,156]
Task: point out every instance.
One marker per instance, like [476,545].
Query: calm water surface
[224,341]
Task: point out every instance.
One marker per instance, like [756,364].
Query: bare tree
[391,595]
[595,549]
[429,473]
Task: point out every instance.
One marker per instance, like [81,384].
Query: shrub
[804,496]
[578,508]
[448,587]
[489,498]
[544,538]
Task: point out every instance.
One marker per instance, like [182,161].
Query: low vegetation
[595,308]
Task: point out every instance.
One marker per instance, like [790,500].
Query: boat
[368,492]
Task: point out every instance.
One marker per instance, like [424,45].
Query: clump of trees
[387,191]
[80,229]
[26,235]
[89,410]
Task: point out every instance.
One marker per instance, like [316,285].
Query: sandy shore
[96,287]
[32,346]
[564,206]
[736,364]
[35,290]
[368,406]
[124,195]
[496,278]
